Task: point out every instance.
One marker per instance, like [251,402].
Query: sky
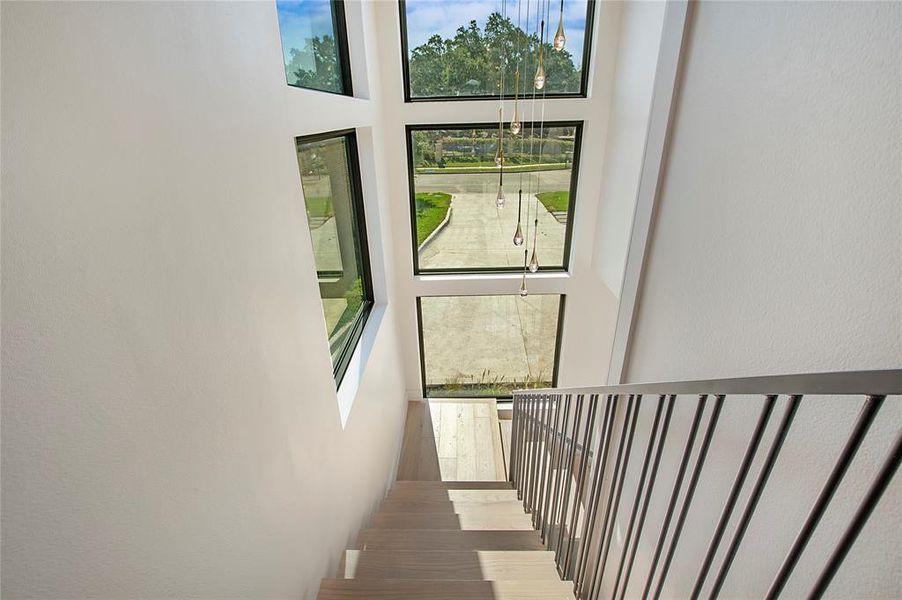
[428,17]
[302,19]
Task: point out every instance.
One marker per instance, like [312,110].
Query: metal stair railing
[572,448]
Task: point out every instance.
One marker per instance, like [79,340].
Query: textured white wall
[777,249]
[637,59]
[169,423]
[778,240]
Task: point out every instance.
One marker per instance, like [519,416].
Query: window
[488,345]
[456,225]
[315,44]
[331,183]
[450,49]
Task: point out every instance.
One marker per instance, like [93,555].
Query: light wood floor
[448,540]
[451,528]
[452,440]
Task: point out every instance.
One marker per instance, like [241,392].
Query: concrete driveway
[477,339]
[479,234]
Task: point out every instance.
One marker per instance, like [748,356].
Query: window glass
[488,345]
[314,44]
[335,215]
[456,49]
[457,223]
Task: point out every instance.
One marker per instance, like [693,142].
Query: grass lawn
[320,206]
[555,201]
[431,210]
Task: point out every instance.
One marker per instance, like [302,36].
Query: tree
[316,66]
[469,64]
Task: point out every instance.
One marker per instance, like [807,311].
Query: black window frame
[574,182]
[557,341]
[358,209]
[584,76]
[344,57]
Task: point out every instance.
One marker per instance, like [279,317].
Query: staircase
[448,540]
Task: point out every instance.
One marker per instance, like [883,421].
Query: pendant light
[534,261]
[499,160]
[518,235]
[523,291]
[559,38]
[539,80]
[515,121]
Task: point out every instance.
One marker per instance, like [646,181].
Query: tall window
[451,49]
[330,177]
[315,45]
[488,345]
[457,225]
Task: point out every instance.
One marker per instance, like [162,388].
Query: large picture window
[455,50]
[488,346]
[315,44]
[456,223]
[332,197]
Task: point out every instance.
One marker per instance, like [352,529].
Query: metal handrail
[562,469]
[846,383]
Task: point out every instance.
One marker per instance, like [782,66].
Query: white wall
[170,425]
[778,240]
[777,249]
[637,59]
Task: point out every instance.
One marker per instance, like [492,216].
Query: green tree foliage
[469,63]
[321,54]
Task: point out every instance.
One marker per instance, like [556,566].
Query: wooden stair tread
[453,485]
[438,539]
[407,589]
[463,522]
[506,507]
[440,494]
[479,565]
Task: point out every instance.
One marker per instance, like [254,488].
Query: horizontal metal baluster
[738,482]
[690,491]
[629,429]
[640,486]
[677,485]
[597,480]
[884,477]
[862,424]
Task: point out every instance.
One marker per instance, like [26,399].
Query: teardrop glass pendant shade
[499,199]
[518,235]
[533,263]
[515,124]
[539,80]
[559,38]
[523,291]
[499,156]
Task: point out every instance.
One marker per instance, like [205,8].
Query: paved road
[473,339]
[543,181]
